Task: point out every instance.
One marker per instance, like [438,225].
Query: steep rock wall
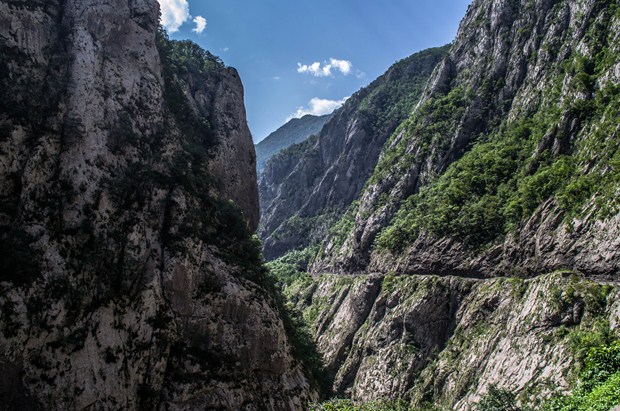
[511,62]
[128,276]
[441,342]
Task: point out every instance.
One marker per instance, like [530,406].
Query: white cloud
[343,65]
[318,107]
[225,49]
[312,68]
[276,78]
[173,14]
[325,70]
[201,24]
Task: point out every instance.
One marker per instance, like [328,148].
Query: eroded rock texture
[441,342]
[511,61]
[128,277]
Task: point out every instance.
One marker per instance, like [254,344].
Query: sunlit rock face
[444,341]
[549,65]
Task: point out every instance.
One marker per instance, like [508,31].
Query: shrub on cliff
[599,386]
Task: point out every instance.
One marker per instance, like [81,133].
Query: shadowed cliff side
[129,278]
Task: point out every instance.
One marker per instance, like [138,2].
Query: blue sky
[298,57]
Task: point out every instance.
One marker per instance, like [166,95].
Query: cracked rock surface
[127,198]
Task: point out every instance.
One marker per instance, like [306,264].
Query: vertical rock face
[215,98]
[549,67]
[441,342]
[233,162]
[128,277]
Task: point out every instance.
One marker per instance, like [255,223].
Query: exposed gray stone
[520,47]
[445,340]
[119,289]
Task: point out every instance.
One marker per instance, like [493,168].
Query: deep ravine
[451,231]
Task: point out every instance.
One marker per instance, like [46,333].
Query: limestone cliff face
[128,277]
[441,342]
[233,158]
[511,62]
[505,170]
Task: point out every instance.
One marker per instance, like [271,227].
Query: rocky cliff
[308,186]
[442,342]
[508,163]
[294,131]
[128,275]
[506,169]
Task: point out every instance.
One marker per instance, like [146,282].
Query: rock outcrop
[442,342]
[542,244]
[128,275]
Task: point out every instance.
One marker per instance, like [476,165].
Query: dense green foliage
[498,400]
[599,387]
[477,197]
[185,56]
[507,175]
[291,266]
[429,125]
[601,364]
[393,96]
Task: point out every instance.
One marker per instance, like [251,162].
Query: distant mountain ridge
[309,186]
[293,132]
